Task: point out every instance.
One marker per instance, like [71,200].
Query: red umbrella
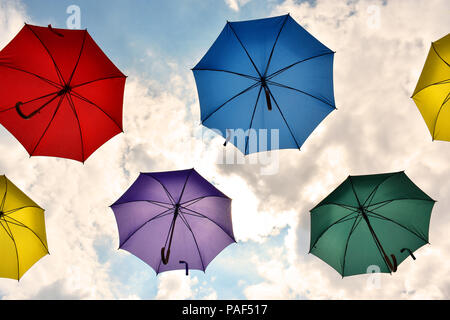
[60,95]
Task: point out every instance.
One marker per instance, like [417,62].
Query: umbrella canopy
[369,220]
[23,240]
[60,95]
[432,93]
[174,220]
[268,76]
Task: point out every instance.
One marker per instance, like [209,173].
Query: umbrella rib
[374,191]
[20,224]
[295,63]
[55,84]
[303,92]
[79,96]
[183,218]
[379,216]
[206,217]
[184,186]
[201,198]
[159,204]
[437,53]
[79,56]
[6,213]
[398,199]
[437,116]
[227,71]
[48,126]
[15,247]
[165,189]
[274,44]
[354,192]
[430,85]
[4,196]
[380,249]
[95,80]
[251,121]
[159,215]
[282,115]
[72,106]
[51,57]
[235,96]
[243,47]
[354,226]
[343,219]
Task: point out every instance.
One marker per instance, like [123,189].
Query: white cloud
[236,4]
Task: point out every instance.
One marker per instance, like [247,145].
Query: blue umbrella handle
[186,265]
[410,252]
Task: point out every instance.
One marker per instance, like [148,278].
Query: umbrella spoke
[303,92]
[251,121]
[4,196]
[430,85]
[193,201]
[165,189]
[232,98]
[61,78]
[243,47]
[284,119]
[397,199]
[20,224]
[96,80]
[72,106]
[193,236]
[55,84]
[200,215]
[439,112]
[440,57]
[379,216]
[160,215]
[157,203]
[355,224]
[227,71]
[274,44]
[295,63]
[35,99]
[374,191]
[6,213]
[79,56]
[79,96]
[343,219]
[49,123]
[15,244]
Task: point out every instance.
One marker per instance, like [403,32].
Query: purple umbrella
[174,220]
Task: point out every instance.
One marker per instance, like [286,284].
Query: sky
[380,46]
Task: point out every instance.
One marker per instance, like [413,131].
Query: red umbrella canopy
[60,95]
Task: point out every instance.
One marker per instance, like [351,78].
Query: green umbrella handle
[410,252]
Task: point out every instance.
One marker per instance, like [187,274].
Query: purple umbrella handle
[186,265]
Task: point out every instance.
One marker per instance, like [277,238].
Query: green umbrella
[369,220]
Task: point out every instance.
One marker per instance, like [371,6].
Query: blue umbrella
[269,79]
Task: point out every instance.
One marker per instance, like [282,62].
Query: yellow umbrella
[23,239]
[432,92]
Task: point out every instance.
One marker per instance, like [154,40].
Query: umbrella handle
[410,252]
[393,266]
[269,103]
[54,31]
[23,115]
[165,258]
[186,265]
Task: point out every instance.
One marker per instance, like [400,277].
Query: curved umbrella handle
[186,265]
[410,252]
[393,266]
[165,258]
[23,115]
